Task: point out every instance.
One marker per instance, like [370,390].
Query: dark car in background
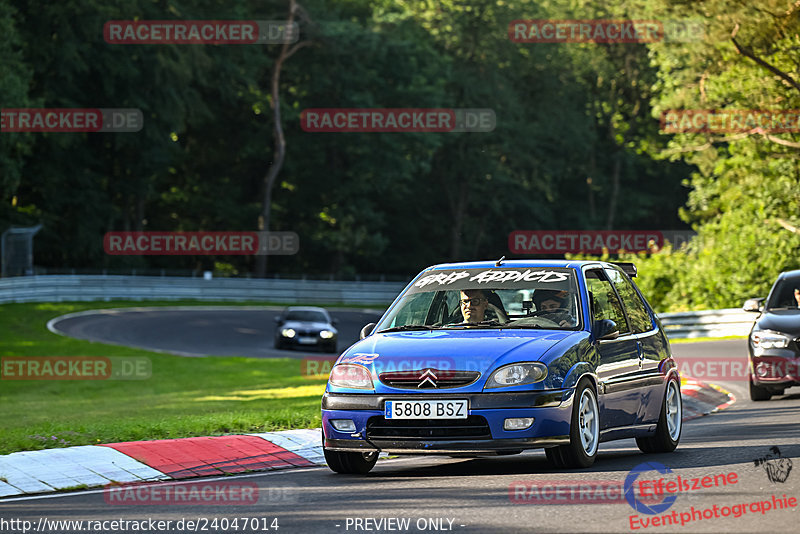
[774,341]
[306,326]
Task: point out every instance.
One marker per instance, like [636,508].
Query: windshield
[306,315]
[783,295]
[488,298]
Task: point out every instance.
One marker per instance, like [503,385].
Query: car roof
[789,274]
[490,264]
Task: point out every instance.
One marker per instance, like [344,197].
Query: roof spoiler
[627,267]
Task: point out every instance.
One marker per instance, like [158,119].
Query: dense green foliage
[744,186]
[577,143]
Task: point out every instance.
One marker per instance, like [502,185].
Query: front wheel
[350,463]
[670,423]
[757,393]
[584,432]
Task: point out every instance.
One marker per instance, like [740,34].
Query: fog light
[762,369]
[517,423]
[343,425]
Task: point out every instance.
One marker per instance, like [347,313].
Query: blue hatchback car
[498,357]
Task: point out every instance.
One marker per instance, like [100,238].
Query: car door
[651,347]
[619,358]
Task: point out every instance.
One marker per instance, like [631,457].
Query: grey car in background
[306,326]
[774,341]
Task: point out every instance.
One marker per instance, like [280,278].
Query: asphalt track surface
[202,331]
[473,495]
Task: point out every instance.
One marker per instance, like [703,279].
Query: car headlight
[766,339]
[326,334]
[348,375]
[517,374]
[288,332]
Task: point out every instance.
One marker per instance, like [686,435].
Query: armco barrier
[58,288]
[708,323]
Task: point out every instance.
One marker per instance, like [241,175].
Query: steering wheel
[556,316]
[553,311]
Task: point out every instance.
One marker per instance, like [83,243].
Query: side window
[637,312]
[605,303]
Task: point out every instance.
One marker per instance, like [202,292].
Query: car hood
[472,350]
[306,325]
[785,321]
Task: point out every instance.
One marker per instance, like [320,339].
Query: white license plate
[306,340]
[432,409]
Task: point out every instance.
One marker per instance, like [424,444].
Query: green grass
[183,397]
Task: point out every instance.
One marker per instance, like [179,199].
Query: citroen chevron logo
[427,376]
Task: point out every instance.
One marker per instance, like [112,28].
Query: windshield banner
[499,278]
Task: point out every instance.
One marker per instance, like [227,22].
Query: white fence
[708,323]
[58,288]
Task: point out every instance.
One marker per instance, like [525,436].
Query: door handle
[641,354]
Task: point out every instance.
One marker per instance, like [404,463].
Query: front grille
[429,378]
[473,427]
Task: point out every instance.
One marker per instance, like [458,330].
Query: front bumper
[779,368]
[551,410]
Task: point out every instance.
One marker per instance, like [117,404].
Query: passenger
[553,305]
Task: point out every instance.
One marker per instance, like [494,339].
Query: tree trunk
[612,203]
[280,141]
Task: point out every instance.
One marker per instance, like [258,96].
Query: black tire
[663,440]
[575,455]
[757,393]
[351,463]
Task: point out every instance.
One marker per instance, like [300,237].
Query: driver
[553,303]
[473,305]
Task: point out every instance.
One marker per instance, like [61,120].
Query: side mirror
[753,305]
[367,330]
[278,319]
[605,329]
[334,322]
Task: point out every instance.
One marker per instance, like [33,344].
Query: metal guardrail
[59,288]
[708,323]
